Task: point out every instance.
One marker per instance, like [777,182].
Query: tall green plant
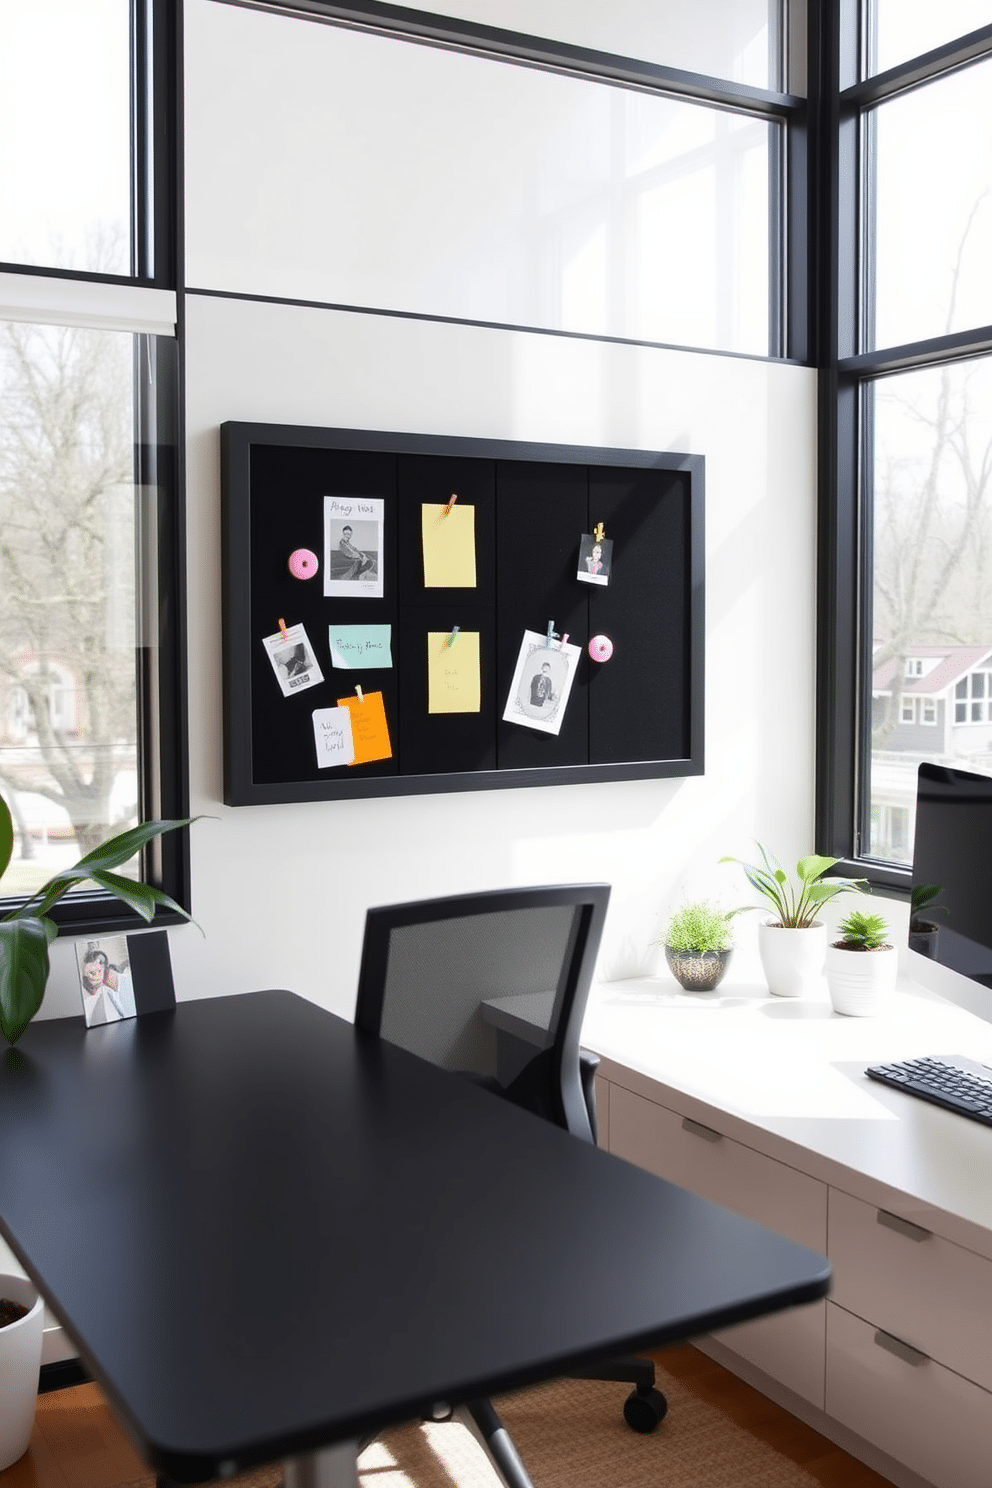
[796,903]
[27,932]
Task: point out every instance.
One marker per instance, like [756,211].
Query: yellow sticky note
[449,546]
[453,679]
[369,730]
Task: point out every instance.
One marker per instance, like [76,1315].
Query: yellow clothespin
[282,630]
[360,697]
[600,532]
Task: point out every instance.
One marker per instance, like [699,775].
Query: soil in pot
[11,1312]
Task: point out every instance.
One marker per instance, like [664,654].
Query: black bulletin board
[636,716]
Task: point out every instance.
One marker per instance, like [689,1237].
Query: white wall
[281,891]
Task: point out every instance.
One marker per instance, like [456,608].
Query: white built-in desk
[762,1103]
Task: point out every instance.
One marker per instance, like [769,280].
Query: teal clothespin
[551,634]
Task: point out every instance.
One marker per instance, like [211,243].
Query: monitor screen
[953,858]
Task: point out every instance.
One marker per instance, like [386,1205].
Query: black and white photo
[542,681]
[293,660]
[595,559]
[353,547]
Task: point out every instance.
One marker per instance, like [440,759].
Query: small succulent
[863,932]
[699,926]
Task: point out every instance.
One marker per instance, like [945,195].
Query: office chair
[427,967]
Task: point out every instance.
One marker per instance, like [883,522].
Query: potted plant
[27,931]
[698,941]
[22,1322]
[793,942]
[861,966]
[922,930]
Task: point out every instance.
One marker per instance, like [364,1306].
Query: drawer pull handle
[902,1226]
[698,1130]
[903,1351]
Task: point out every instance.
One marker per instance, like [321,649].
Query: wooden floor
[818,1456]
[86,1448]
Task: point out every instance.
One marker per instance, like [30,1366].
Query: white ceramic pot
[20,1360]
[792,959]
[861,982]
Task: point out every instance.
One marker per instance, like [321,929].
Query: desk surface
[267,1232]
[788,1076]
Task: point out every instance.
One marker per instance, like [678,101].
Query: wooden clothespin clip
[600,532]
[552,633]
[451,501]
[282,629]
[454,635]
[361,699]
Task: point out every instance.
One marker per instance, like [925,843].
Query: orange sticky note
[368,727]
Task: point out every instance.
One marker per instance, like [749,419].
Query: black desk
[268,1233]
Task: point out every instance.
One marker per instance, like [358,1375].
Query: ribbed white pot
[792,959]
[861,982]
[20,1360]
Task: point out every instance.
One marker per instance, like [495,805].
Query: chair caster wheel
[643,1412]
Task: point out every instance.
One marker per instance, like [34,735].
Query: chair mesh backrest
[440,971]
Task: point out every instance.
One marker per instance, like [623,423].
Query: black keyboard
[965,1090]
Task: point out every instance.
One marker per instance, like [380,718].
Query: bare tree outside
[932,581]
[67,589]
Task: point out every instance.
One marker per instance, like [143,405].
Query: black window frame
[161,676]
[842,99]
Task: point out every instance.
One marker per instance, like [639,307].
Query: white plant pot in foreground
[861,982]
[792,959]
[20,1360]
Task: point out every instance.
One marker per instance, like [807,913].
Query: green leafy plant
[861,931]
[27,932]
[921,898]
[795,903]
[700,926]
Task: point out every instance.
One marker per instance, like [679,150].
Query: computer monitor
[953,852]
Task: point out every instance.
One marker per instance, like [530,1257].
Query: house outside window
[907,462]
[91,707]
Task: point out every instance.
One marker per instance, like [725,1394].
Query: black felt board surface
[636,716]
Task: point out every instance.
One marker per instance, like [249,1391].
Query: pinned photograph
[293,661]
[541,683]
[353,547]
[105,980]
[595,559]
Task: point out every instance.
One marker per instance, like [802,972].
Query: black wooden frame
[241,787]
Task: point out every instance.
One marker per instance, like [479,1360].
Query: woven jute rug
[571,1434]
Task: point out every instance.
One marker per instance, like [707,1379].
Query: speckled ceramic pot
[697,971]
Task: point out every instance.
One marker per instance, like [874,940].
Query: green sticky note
[360,647]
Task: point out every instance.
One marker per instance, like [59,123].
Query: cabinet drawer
[777,1196]
[787,1345]
[925,1290]
[920,1413]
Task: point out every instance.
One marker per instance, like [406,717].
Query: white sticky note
[332,736]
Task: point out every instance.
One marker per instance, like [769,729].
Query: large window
[906,643]
[91,703]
